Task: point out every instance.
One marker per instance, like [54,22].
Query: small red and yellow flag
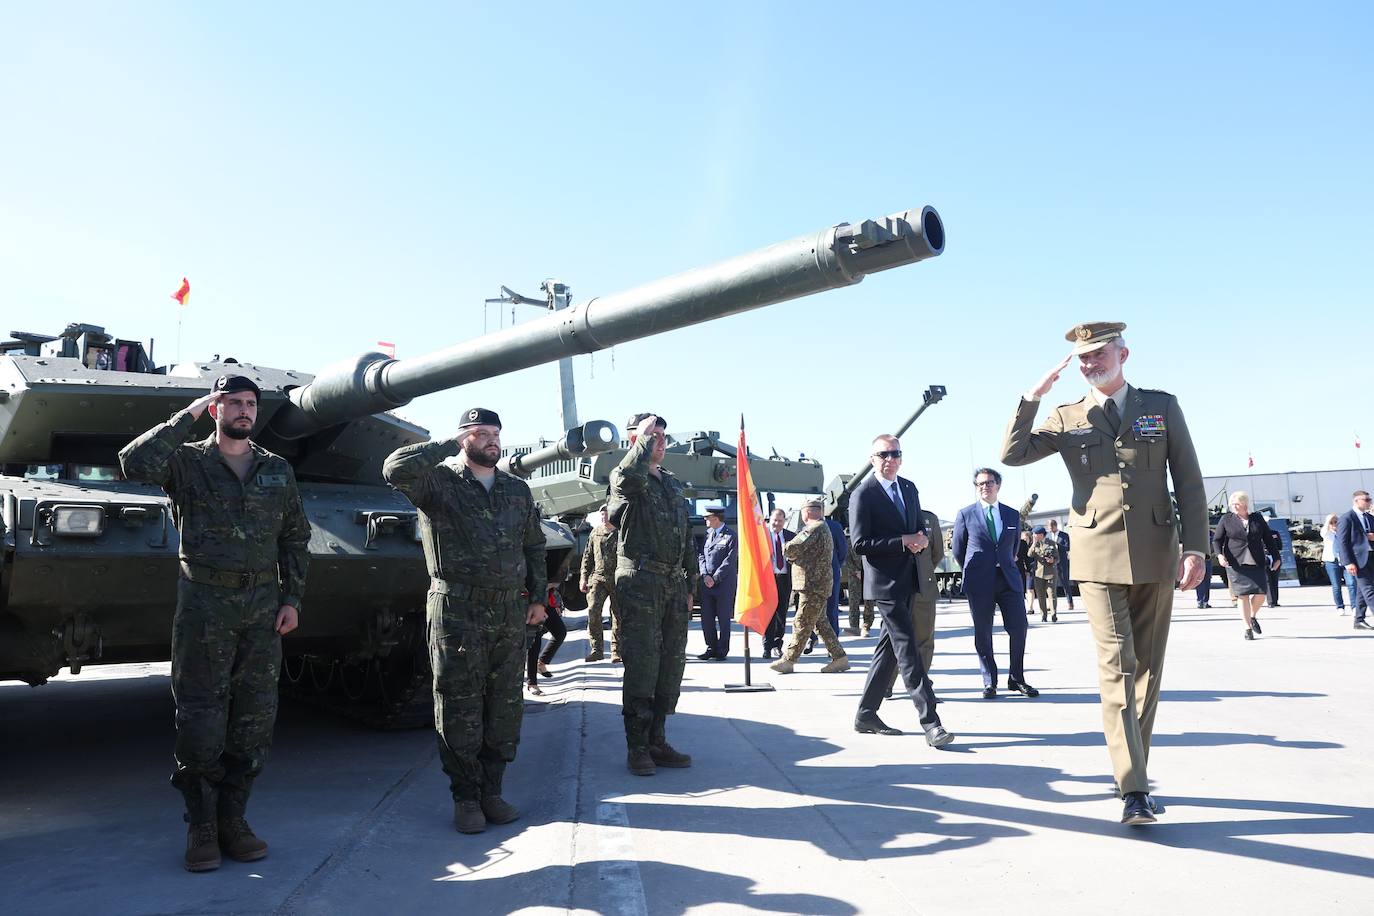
[756,594]
[184,293]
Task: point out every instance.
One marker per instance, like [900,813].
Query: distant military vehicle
[88,560]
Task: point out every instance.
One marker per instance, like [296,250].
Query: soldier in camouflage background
[244,553]
[598,582]
[484,547]
[649,508]
[1044,560]
[812,553]
[854,574]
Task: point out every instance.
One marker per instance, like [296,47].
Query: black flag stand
[748,686]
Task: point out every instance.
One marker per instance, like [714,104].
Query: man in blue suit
[1354,532]
[985,536]
[887,531]
[717,565]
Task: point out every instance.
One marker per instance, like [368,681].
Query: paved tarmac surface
[1263,755]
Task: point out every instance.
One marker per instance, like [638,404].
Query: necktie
[1364,520]
[992,526]
[777,553]
[897,499]
[1113,415]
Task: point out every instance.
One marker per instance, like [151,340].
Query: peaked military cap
[633,425]
[716,510]
[480,416]
[1093,336]
[230,384]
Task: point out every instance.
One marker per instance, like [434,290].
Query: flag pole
[742,464]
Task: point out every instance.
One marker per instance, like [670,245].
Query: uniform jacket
[1351,544]
[1044,559]
[230,525]
[811,553]
[1121,517]
[718,559]
[876,529]
[927,560]
[650,514]
[487,540]
[982,560]
[598,559]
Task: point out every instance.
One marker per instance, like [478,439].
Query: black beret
[229,384]
[633,425]
[480,416]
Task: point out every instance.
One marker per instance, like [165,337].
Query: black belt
[227,578]
[463,591]
[671,570]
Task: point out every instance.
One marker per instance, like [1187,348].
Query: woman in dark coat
[1239,543]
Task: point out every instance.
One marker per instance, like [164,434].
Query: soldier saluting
[244,553]
[484,547]
[1117,444]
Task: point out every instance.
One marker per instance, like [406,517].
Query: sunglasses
[985,483]
[893,453]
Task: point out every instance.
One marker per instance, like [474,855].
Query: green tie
[992,526]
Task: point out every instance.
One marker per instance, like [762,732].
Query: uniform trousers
[226,658]
[653,644]
[477,650]
[717,611]
[811,617]
[598,592]
[1130,627]
[1044,592]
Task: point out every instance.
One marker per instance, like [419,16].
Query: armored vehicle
[88,560]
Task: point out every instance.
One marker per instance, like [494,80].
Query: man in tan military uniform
[1117,443]
[598,583]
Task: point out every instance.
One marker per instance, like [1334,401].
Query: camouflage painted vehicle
[88,560]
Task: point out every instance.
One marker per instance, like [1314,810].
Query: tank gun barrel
[931,395]
[831,258]
[591,438]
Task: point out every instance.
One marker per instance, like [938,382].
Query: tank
[88,560]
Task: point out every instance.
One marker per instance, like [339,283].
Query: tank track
[390,694]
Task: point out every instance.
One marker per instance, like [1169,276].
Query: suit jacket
[1122,520]
[786,536]
[718,559]
[876,529]
[983,561]
[841,546]
[1351,544]
[927,560]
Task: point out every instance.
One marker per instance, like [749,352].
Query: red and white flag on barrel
[387,347]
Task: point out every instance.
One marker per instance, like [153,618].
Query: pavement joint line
[358,832]
[856,855]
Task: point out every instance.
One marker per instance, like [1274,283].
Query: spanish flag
[184,293]
[756,595]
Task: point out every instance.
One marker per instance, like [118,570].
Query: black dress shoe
[1363,625]
[989,692]
[1254,625]
[1022,688]
[721,656]
[868,723]
[810,647]
[1137,810]
[709,653]
[936,736]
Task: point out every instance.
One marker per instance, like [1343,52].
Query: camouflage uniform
[244,553]
[485,554]
[854,573]
[811,552]
[598,574]
[1044,560]
[655,550]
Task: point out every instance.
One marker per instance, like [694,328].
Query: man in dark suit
[717,565]
[1274,544]
[1354,532]
[887,531]
[984,545]
[778,536]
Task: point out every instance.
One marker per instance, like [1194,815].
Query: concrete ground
[1262,754]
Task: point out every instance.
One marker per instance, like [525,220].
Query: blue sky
[328,176]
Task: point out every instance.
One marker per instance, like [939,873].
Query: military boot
[595,655]
[640,762]
[202,847]
[499,811]
[468,816]
[662,754]
[239,842]
[836,664]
